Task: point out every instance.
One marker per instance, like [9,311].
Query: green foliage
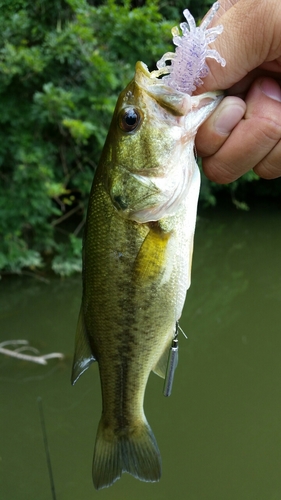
[62,66]
[172,9]
[246,184]
[68,259]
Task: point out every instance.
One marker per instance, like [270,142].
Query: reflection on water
[220,431]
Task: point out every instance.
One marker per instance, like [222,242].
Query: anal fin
[83,356]
[161,366]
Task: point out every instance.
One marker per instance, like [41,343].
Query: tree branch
[18,354]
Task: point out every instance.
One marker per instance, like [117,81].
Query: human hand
[245,130]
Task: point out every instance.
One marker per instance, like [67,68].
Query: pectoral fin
[151,259]
[83,356]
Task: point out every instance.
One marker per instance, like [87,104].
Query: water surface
[220,431]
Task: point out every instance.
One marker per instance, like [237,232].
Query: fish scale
[137,255]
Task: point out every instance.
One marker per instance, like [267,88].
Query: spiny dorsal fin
[83,356]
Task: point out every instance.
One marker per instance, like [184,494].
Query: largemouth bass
[137,261]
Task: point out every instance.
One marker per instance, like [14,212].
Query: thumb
[250,37]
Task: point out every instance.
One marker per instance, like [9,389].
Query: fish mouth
[178,103]
[175,101]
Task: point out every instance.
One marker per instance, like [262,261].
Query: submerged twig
[17,353]
[46,446]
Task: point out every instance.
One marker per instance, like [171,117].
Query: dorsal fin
[83,356]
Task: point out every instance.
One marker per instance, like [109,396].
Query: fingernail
[228,117]
[271,89]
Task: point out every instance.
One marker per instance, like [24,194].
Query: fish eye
[129,119]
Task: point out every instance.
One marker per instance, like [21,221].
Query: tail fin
[135,451]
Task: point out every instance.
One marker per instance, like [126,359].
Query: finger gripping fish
[137,254]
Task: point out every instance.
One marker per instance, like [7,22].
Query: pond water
[220,431]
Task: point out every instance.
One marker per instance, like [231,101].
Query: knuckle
[269,167]
[219,172]
[270,130]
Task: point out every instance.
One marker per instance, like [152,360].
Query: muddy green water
[220,431]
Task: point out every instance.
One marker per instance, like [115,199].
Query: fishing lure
[188,64]
[184,73]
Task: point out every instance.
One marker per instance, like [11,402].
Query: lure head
[149,160]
